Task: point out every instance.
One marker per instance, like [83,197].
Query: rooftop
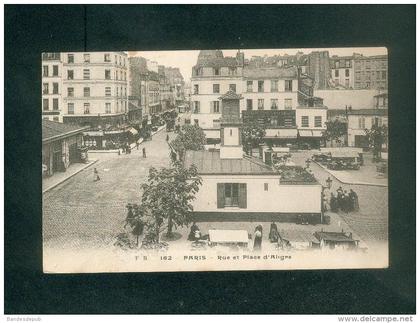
[52,130]
[210,163]
[270,72]
[369,112]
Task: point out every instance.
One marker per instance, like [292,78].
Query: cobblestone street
[83,213]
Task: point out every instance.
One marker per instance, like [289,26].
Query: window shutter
[242,195]
[220,195]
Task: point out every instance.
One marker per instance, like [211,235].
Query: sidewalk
[366,175]
[57,178]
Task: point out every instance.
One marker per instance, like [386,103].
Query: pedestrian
[346,202]
[128,149]
[355,200]
[274,233]
[96,175]
[333,203]
[167,138]
[258,238]
[137,145]
[194,228]
[144,152]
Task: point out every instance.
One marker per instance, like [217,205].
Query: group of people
[346,201]
[125,149]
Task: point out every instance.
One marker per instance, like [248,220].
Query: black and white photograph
[189,158]
[215,160]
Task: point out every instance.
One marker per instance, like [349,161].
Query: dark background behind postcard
[32,29]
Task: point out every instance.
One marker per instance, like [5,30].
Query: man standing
[96,175]
[144,152]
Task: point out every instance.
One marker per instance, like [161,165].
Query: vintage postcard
[207,160]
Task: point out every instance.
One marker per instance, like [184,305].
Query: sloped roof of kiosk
[210,163]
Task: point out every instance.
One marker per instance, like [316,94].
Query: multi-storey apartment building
[95,88]
[213,76]
[276,96]
[342,71]
[370,72]
[52,86]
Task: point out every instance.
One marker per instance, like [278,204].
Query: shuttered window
[231,195]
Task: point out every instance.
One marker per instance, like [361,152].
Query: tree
[190,137]
[377,136]
[167,197]
[252,135]
[336,129]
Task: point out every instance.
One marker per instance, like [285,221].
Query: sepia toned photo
[211,160]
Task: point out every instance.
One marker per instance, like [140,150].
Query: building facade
[52,87]
[342,71]
[359,121]
[370,72]
[95,89]
[278,97]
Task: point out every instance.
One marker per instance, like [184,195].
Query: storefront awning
[305,133]
[280,133]
[317,133]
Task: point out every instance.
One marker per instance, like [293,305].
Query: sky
[186,59]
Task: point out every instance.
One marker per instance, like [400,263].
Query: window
[260,104]
[107,74]
[347,82]
[249,104]
[45,88]
[86,58]
[216,71]
[86,91]
[55,88]
[336,73]
[86,74]
[196,106]
[118,94]
[337,64]
[116,59]
[55,70]
[362,123]
[45,70]
[274,104]
[347,63]
[86,109]
[107,107]
[216,88]
[108,91]
[231,195]
[288,85]
[318,121]
[70,58]
[288,104]
[55,104]
[249,85]
[305,121]
[70,75]
[384,75]
[195,88]
[274,85]
[232,87]
[70,108]
[347,73]
[265,186]
[260,86]
[107,57]
[216,107]
[46,104]
[70,92]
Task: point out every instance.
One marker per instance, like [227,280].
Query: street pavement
[81,213]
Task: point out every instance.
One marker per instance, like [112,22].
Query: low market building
[61,146]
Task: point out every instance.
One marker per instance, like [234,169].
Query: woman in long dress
[258,238]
